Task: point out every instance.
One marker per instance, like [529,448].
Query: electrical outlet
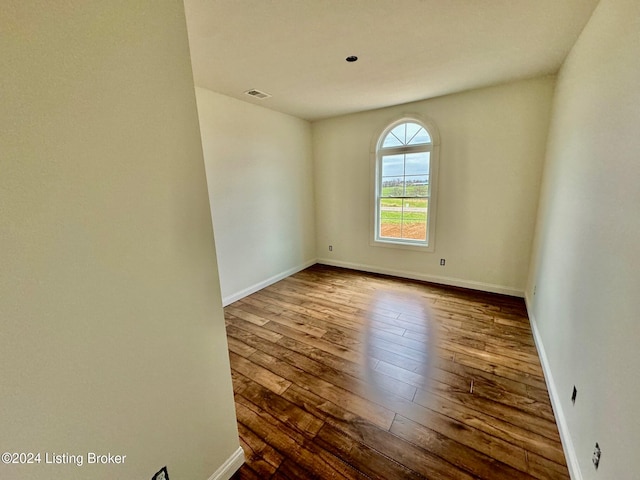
[573,395]
[442,261]
[162,474]
[596,456]
[331,248]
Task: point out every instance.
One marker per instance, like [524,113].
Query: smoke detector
[257,94]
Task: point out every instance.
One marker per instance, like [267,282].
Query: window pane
[406,134]
[412,130]
[390,218]
[400,132]
[417,163]
[420,137]
[416,185]
[403,218]
[414,219]
[393,165]
[392,187]
[405,175]
[391,140]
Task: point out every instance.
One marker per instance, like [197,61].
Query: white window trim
[376,141]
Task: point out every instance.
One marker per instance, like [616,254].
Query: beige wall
[491,154]
[585,267]
[259,172]
[112,336]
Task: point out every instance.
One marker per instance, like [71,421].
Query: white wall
[259,172]
[586,263]
[112,335]
[491,155]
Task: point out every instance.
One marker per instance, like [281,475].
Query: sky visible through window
[406,134]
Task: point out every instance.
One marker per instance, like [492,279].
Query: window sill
[403,246]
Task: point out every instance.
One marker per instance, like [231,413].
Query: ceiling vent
[257,94]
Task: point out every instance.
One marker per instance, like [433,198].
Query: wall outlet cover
[162,474]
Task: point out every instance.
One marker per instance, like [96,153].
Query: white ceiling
[408,49]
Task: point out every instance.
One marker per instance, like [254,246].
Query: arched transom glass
[406,134]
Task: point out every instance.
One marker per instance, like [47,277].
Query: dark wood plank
[291,444]
[417,459]
[261,375]
[460,455]
[360,405]
[369,461]
[282,409]
[263,459]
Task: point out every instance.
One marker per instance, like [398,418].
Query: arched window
[405,179]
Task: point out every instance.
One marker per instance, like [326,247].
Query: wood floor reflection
[342,374]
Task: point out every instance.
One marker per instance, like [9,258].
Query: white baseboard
[230,466]
[567,444]
[454,282]
[229,299]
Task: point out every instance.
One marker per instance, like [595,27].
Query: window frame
[377,152]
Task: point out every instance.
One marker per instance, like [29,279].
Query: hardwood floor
[342,374]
